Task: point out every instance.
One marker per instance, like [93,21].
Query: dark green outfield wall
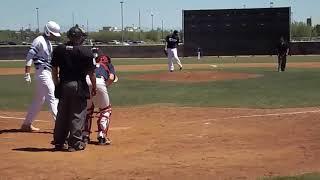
[152,51]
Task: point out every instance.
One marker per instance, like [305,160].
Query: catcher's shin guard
[104,121]
[88,121]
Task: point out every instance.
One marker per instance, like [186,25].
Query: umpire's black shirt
[172,41]
[282,48]
[74,63]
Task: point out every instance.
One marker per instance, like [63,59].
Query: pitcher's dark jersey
[172,41]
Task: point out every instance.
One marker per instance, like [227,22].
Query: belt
[100,77]
[43,67]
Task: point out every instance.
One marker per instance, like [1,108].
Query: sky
[17,14]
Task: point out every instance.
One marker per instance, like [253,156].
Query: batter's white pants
[173,55]
[44,91]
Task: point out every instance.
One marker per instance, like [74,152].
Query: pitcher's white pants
[173,55]
[44,91]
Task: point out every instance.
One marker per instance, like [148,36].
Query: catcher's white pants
[173,55]
[100,100]
[44,91]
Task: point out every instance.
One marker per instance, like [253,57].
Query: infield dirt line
[208,120]
[252,116]
[17,118]
[2,118]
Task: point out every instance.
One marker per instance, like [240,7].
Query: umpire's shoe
[59,147]
[86,139]
[79,146]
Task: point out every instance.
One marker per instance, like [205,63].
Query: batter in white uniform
[40,54]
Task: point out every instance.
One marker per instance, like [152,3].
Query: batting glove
[27,78]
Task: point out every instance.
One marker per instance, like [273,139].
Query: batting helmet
[52,28]
[76,32]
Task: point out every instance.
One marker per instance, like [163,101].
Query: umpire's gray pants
[71,115]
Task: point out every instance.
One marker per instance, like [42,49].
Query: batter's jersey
[40,53]
[172,41]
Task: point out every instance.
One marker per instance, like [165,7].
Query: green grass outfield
[294,88]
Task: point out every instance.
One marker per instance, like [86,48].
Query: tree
[300,29]
[316,29]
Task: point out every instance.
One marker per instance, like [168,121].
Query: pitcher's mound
[196,76]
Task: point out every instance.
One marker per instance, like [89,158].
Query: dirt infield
[168,142]
[12,71]
[198,76]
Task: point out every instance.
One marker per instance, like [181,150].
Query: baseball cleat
[180,68]
[28,128]
[103,141]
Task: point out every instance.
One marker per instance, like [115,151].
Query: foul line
[17,118]
[208,120]
[256,115]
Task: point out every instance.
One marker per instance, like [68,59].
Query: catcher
[105,76]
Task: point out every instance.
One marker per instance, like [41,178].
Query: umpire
[71,63]
[282,51]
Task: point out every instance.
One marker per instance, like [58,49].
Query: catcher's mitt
[112,79]
[165,52]
[115,79]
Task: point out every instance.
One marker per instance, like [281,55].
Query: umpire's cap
[175,32]
[76,32]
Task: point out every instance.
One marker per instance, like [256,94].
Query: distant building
[309,21]
[131,29]
[110,29]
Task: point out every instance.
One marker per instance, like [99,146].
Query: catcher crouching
[105,76]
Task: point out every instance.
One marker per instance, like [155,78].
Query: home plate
[214,66]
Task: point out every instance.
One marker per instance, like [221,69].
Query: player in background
[105,76]
[171,44]
[40,54]
[282,51]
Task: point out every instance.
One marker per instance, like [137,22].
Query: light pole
[152,22]
[162,29]
[291,20]
[139,26]
[72,19]
[38,30]
[87,26]
[121,3]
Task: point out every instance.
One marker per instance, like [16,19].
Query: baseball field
[218,118]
